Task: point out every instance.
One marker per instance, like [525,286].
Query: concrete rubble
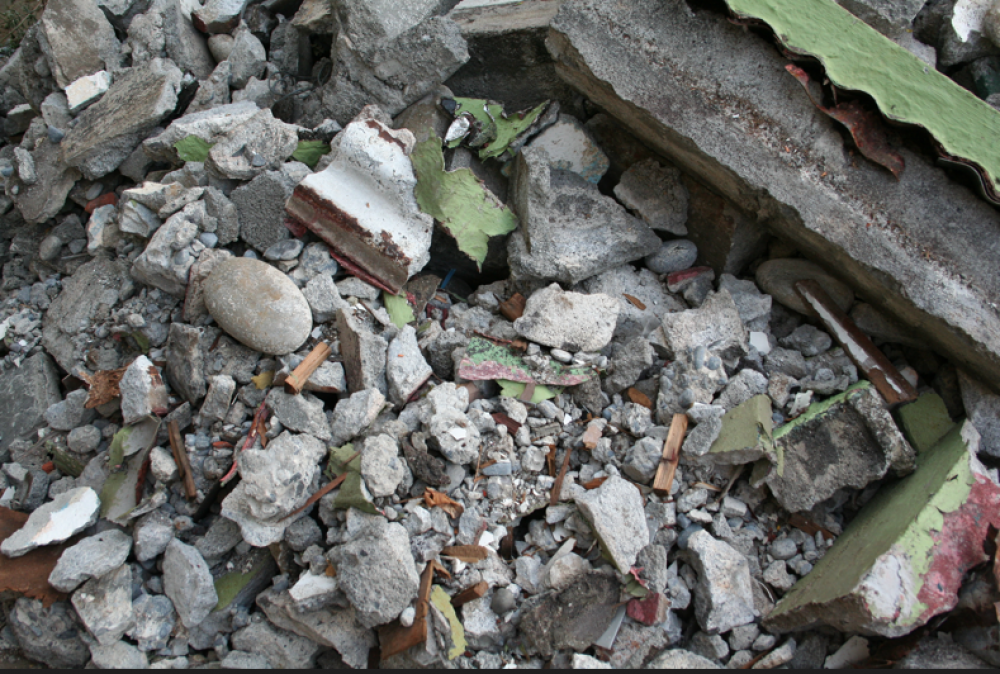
[259,409]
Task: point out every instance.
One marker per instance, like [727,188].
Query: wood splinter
[181,459]
[671,456]
[297,379]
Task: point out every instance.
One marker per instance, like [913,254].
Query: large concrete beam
[716,100]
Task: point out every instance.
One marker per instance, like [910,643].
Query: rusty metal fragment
[859,348]
[865,125]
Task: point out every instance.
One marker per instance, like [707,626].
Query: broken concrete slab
[330,627]
[566,223]
[381,465]
[77,40]
[377,572]
[826,217]
[354,414]
[86,300]
[261,143]
[218,16]
[715,326]
[108,131]
[372,59]
[848,440]
[188,583]
[105,605]
[572,619]
[210,126]
[258,305]
[44,197]
[983,409]
[571,148]
[260,206]
[569,321]
[56,521]
[364,354]
[142,391]
[25,394]
[657,194]
[275,482]
[302,413]
[406,368]
[723,598]
[362,204]
[902,559]
[93,557]
[623,282]
[614,510]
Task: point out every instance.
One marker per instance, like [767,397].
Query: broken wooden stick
[477,591]
[297,379]
[859,348]
[671,456]
[181,459]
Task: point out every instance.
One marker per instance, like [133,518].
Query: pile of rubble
[311,360]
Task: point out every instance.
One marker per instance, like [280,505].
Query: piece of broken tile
[486,360]
[901,561]
[56,521]
[363,205]
[848,440]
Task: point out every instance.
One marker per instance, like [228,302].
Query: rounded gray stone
[676,255]
[258,305]
[778,277]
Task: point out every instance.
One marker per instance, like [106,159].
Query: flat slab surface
[718,102]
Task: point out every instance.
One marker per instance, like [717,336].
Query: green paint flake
[193,148]
[442,601]
[924,421]
[351,493]
[469,212]
[498,129]
[497,358]
[858,58]
[514,389]
[636,589]
[904,516]
[399,309]
[309,152]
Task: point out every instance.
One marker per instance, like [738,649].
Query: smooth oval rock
[676,255]
[258,305]
[778,277]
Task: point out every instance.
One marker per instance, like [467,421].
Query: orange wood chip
[639,398]
[466,553]
[635,302]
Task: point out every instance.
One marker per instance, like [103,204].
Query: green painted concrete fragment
[514,389]
[746,427]
[351,493]
[398,308]
[193,148]
[442,601]
[906,89]
[924,421]
[902,516]
[468,211]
